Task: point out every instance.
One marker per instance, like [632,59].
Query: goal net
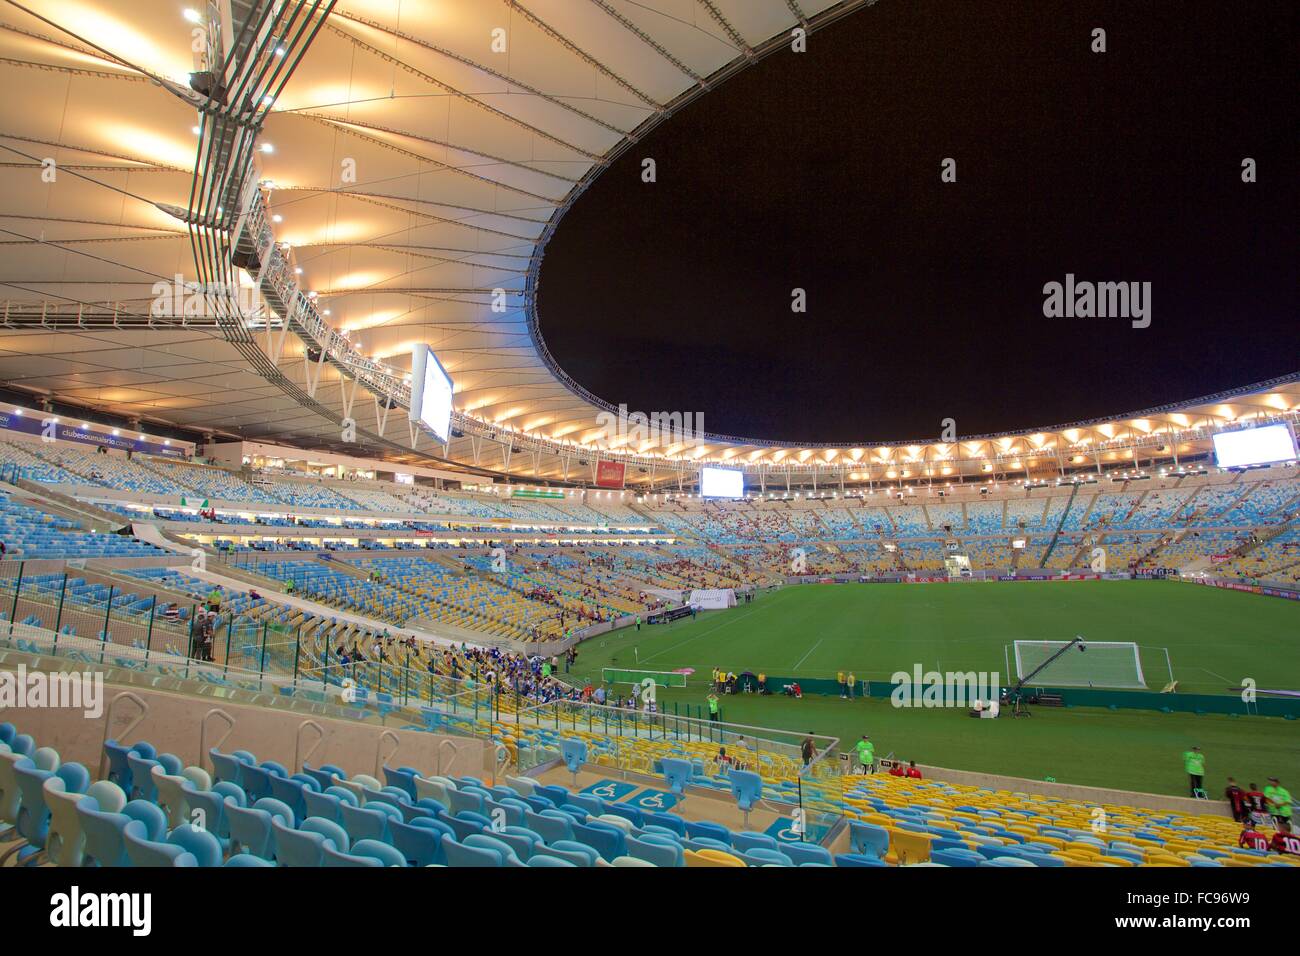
[617,675]
[1102,664]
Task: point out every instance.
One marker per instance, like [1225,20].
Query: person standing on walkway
[1194,764]
[866,754]
[1278,800]
[713,706]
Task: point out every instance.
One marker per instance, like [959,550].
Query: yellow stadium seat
[1079,854]
[712,858]
[906,847]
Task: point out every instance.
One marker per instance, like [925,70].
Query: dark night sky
[821,171]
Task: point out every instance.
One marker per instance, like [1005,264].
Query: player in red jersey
[1251,838]
[1284,841]
[1237,798]
[1255,806]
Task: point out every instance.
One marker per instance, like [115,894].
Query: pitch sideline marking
[810,650]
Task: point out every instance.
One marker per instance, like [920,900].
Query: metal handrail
[203,732]
[455,752]
[300,758]
[380,758]
[108,722]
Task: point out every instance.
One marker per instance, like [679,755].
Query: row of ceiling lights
[193,16]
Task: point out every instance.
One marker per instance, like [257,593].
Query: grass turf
[1215,639]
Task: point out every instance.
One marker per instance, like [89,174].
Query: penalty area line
[810,650]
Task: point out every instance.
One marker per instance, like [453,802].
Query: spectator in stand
[722,760]
[897,770]
[808,749]
[912,772]
[196,634]
[1236,797]
[209,635]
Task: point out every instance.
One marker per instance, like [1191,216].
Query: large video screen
[1254,446]
[722,483]
[431,391]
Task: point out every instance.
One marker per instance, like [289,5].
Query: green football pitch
[1214,638]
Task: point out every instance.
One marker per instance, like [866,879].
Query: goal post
[1116,664]
[622,675]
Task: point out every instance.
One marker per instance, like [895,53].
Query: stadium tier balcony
[31,534]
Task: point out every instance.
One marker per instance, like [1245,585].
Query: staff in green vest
[1278,800]
[1194,764]
[866,754]
[214,599]
[713,706]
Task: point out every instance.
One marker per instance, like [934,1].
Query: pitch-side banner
[609,474]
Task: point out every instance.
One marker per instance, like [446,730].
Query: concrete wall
[173,726]
[1085,796]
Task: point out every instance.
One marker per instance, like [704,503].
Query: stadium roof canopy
[375,175]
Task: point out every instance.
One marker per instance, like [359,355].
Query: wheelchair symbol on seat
[795,832]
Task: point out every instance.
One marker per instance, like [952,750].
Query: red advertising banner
[609,474]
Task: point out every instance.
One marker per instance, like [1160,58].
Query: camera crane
[1021,710]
